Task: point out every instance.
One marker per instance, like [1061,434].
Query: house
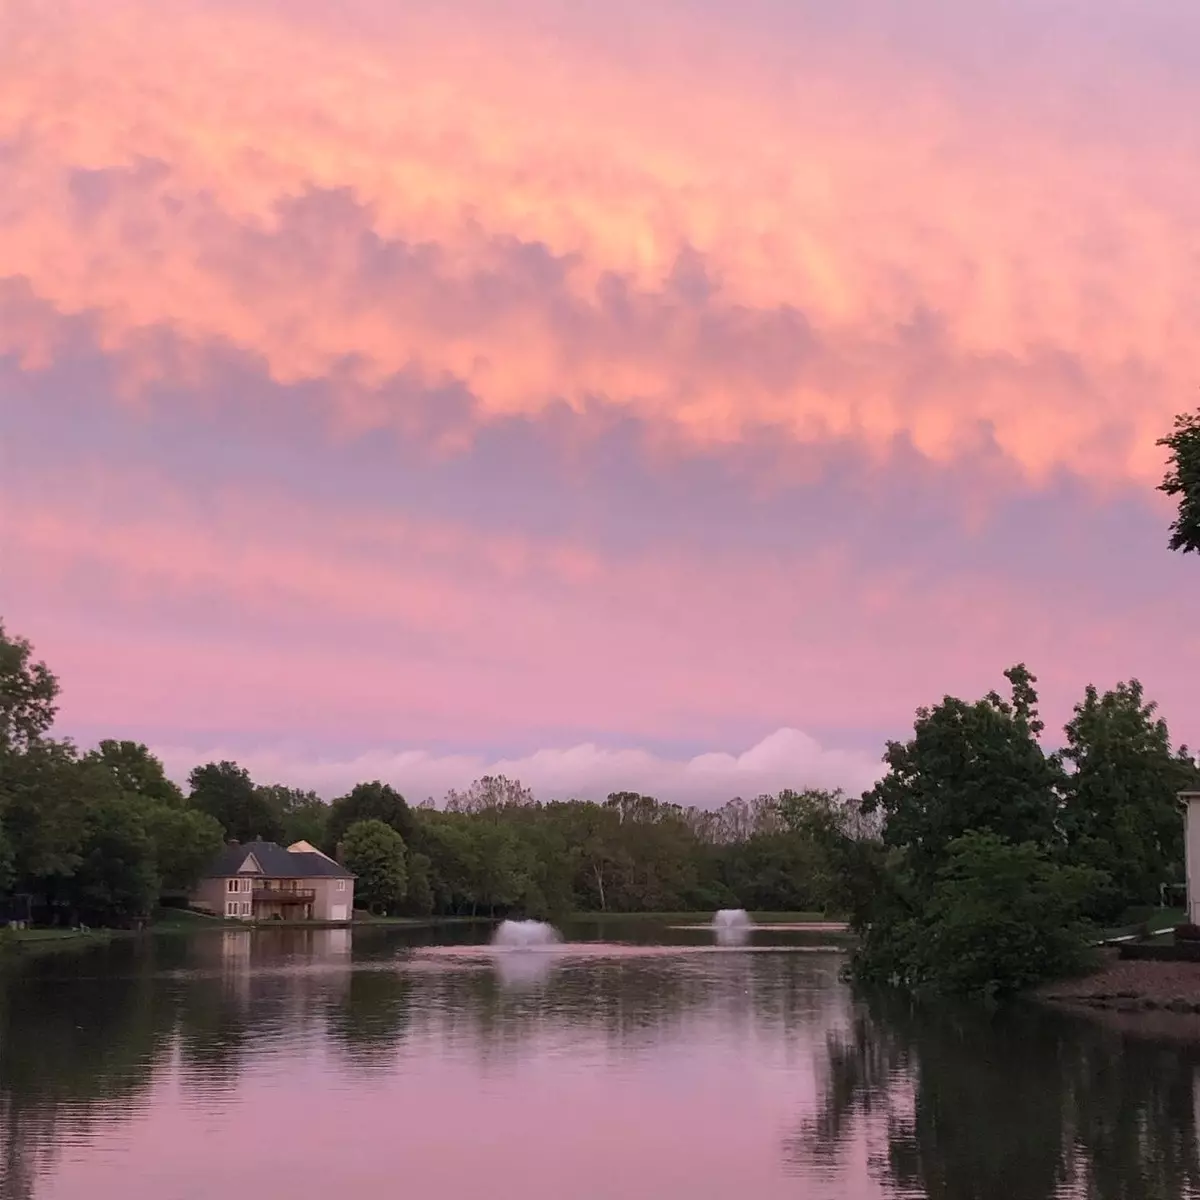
[263,881]
[1191,849]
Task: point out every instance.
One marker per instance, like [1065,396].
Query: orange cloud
[845,251]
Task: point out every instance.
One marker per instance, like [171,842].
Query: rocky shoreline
[1131,985]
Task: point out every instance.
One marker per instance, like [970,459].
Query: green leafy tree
[1120,813]
[373,801]
[8,872]
[499,878]
[303,815]
[227,793]
[966,891]
[375,852]
[969,767]
[593,833]
[28,695]
[117,880]
[446,840]
[136,771]
[185,841]
[419,899]
[546,868]
[1003,917]
[782,871]
[1182,481]
[46,794]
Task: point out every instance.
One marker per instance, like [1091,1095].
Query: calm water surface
[642,1062]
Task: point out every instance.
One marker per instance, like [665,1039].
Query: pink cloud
[251,610]
[786,758]
[488,202]
[448,221]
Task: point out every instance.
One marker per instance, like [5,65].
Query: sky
[664,396]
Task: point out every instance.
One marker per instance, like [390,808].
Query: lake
[642,1061]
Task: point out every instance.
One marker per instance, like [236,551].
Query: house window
[247,884]
[341,885]
[231,908]
[231,885]
[245,908]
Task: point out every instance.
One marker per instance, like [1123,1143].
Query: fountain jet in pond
[522,961]
[732,926]
[525,935]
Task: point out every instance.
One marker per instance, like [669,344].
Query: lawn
[184,920]
[27,936]
[703,918]
[1144,918]
[46,941]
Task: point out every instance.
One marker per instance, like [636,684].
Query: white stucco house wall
[1191,843]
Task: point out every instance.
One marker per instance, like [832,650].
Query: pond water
[632,1061]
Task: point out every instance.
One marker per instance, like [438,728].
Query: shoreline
[186,922]
[1127,985]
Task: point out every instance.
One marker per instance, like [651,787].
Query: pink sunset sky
[662,395]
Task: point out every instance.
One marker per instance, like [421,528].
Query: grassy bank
[50,941]
[186,922]
[34,937]
[1144,920]
[703,918]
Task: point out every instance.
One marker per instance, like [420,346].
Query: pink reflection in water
[485,1093]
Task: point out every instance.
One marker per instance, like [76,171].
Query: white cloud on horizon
[785,758]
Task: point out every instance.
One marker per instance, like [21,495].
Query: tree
[303,815]
[7,867]
[446,840]
[375,852]
[1182,481]
[116,881]
[592,831]
[1003,917]
[226,792]
[46,793]
[966,890]
[419,900]
[968,767]
[490,794]
[28,692]
[1120,812]
[185,841]
[370,801]
[136,771]
[499,875]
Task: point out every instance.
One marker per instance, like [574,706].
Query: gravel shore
[1130,985]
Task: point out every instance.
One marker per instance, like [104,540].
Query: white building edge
[1191,848]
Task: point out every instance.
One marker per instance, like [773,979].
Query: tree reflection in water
[947,1104]
[1022,1105]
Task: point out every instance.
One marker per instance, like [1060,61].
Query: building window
[247,884]
[341,885]
[231,885]
[231,908]
[245,908]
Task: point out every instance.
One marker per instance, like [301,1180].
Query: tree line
[979,862]
[100,836]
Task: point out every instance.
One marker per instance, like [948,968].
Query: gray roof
[276,863]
